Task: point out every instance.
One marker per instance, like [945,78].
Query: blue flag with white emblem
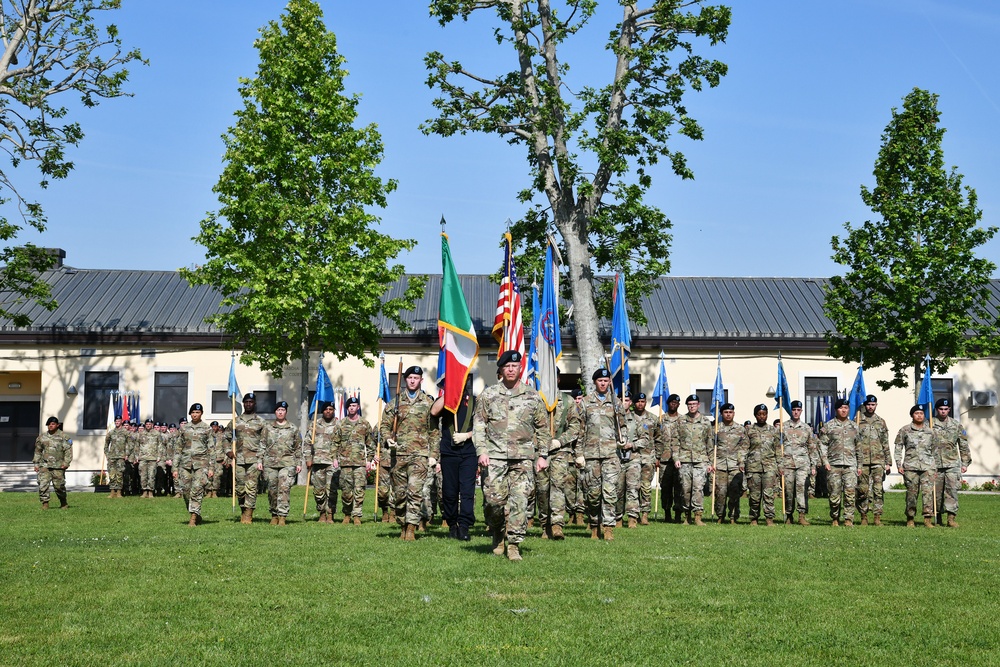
[781,391]
[662,390]
[858,391]
[718,392]
[926,395]
[621,337]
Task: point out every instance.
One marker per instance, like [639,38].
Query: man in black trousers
[458,464]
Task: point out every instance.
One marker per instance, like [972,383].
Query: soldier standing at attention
[692,454]
[951,448]
[561,472]
[53,454]
[577,500]
[761,464]
[320,457]
[409,432]
[281,460]
[218,456]
[874,460]
[248,435]
[838,456]
[670,496]
[642,431]
[798,463]
[355,438]
[115,443]
[731,447]
[597,453]
[917,463]
[511,433]
[149,450]
[194,462]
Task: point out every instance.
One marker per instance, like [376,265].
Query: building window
[97,389]
[170,395]
[944,388]
[221,405]
[820,396]
[705,396]
[265,402]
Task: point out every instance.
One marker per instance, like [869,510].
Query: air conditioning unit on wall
[984,399]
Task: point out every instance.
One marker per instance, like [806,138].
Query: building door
[18,429]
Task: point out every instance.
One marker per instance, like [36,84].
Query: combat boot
[423,525]
[45,505]
[697,519]
[392,516]
[531,522]
[609,533]
[572,519]
[112,494]
[545,533]
[864,519]
[928,522]
[385,516]
[593,532]
[632,522]
[802,519]
[347,520]
[835,523]
[644,519]
[580,520]
[498,545]
[410,533]
[444,523]
[557,532]
[281,521]
[720,521]
[878,519]
[402,532]
[910,523]
[848,523]
[193,521]
[513,553]
[357,521]
[951,521]
[63,504]
[618,523]
[770,522]
[753,522]
[732,522]
[274,520]
[788,519]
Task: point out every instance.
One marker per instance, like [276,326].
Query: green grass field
[127,582]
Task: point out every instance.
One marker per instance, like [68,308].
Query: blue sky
[790,135]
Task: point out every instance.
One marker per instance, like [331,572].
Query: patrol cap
[841,402]
[692,398]
[942,403]
[194,406]
[214,423]
[413,370]
[796,404]
[673,397]
[727,406]
[249,396]
[870,398]
[281,404]
[760,406]
[576,393]
[601,373]
[641,396]
[353,400]
[508,357]
[51,420]
[916,408]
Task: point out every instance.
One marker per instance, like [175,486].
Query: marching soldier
[281,460]
[321,456]
[951,449]
[355,438]
[731,447]
[761,464]
[798,462]
[510,430]
[874,461]
[115,443]
[917,463]
[194,462]
[838,456]
[248,434]
[53,454]
[597,453]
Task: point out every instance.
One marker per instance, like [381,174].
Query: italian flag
[456,335]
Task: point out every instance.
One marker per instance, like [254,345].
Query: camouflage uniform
[800,455]
[281,454]
[386,463]
[355,441]
[511,426]
[249,443]
[53,454]
[115,443]
[219,454]
[761,465]
[148,444]
[670,489]
[321,451]
[693,450]
[731,448]
[642,431]
[598,444]
[555,486]
[171,447]
[430,497]
[414,435]
[914,453]
[193,461]
[873,458]
[951,447]
[837,449]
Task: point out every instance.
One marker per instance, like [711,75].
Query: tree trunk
[581,282]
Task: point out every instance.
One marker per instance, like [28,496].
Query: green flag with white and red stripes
[456,335]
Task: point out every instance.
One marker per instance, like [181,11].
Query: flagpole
[232,400]
[715,450]
[781,450]
[305,502]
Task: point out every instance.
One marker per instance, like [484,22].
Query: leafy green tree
[293,247]
[592,150]
[914,285]
[50,48]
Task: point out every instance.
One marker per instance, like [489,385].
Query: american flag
[508,328]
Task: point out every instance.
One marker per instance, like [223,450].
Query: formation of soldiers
[591,461]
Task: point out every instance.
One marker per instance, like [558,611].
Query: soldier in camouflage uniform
[761,465]
[219,455]
[951,449]
[838,456]
[115,443]
[148,452]
[917,463]
[249,436]
[409,431]
[53,454]
[874,461]
[670,494]
[798,462]
[641,432]
[600,438]
[692,454]
[321,456]
[355,439]
[556,484]
[194,462]
[731,447]
[511,431]
[576,501]
[281,461]
[130,478]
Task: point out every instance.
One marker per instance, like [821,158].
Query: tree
[293,247]
[591,151]
[914,285]
[50,47]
